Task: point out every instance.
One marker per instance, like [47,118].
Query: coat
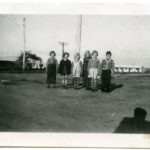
[64,67]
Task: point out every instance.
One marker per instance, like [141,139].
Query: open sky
[128,37]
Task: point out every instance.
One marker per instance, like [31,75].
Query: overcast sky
[128,37]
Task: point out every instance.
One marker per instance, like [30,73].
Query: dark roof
[5,64]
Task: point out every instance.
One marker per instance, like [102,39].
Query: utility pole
[80,32]
[63,44]
[24,42]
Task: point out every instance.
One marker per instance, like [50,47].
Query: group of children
[90,70]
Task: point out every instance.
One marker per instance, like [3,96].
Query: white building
[129,68]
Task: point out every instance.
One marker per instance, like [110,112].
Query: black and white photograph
[75,73]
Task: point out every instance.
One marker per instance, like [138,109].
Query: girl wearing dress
[51,69]
[86,79]
[65,69]
[76,70]
[94,69]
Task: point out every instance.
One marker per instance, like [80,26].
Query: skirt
[93,73]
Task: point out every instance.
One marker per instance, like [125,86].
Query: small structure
[8,65]
[129,68]
[37,65]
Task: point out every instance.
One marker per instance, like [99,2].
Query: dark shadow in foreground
[136,124]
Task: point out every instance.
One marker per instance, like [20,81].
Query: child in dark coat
[51,69]
[107,67]
[65,69]
[76,70]
[86,79]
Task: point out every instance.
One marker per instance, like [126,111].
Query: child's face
[94,55]
[66,56]
[108,56]
[77,57]
[87,54]
[52,55]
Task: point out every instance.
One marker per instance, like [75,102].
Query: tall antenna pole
[24,42]
[80,32]
[63,44]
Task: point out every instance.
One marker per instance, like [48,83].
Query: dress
[65,67]
[77,68]
[51,70]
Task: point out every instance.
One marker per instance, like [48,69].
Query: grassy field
[27,105]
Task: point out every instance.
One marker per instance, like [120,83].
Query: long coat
[64,67]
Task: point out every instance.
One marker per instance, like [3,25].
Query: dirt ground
[27,105]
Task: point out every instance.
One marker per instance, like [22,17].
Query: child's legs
[48,79]
[48,84]
[53,80]
[85,78]
[78,80]
[92,75]
[66,79]
[78,77]
[89,82]
[103,79]
[75,81]
[63,79]
[95,74]
[108,80]
[92,82]
[95,82]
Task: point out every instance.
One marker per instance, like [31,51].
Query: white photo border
[80,140]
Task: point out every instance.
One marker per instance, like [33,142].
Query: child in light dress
[76,70]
